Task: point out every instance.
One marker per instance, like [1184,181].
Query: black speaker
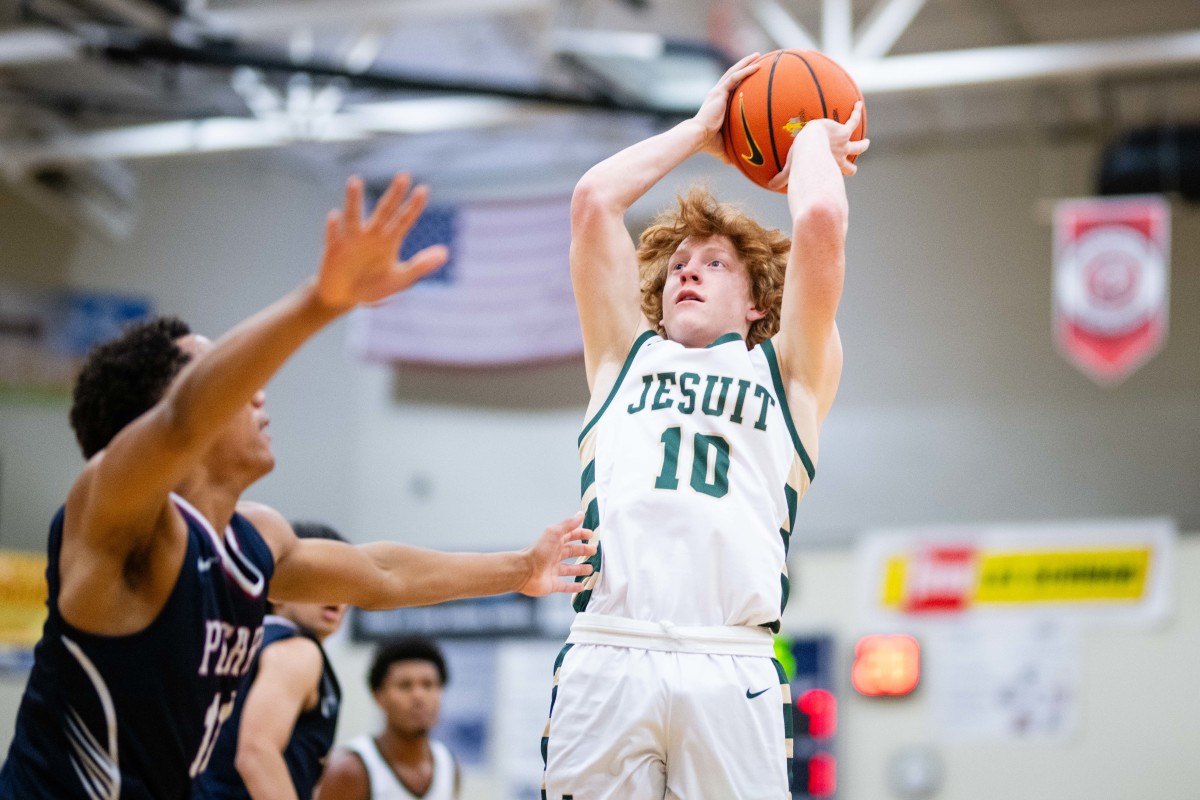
[1153,161]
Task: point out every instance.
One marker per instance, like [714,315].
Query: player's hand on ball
[712,110]
[841,146]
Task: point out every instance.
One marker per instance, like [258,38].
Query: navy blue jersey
[311,737]
[136,717]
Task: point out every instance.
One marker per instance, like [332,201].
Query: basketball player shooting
[159,576]
[710,375]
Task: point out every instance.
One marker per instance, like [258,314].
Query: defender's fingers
[386,208]
[429,259]
[577,534]
[352,217]
[568,526]
[579,551]
[333,225]
[402,219]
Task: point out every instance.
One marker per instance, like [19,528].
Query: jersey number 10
[710,463]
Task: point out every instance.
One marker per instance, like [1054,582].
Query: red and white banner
[1111,288]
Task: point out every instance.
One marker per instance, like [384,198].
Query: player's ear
[755,314]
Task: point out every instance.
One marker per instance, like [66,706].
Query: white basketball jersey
[386,786]
[692,471]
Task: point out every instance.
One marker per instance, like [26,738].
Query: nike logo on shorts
[750,696]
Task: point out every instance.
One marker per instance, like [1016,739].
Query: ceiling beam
[24,46]
[884,25]
[983,65]
[837,29]
[144,16]
[782,27]
[223,134]
[281,16]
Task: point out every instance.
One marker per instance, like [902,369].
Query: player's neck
[216,501]
[701,340]
[400,748]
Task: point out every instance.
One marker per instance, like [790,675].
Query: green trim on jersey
[793,501]
[591,520]
[726,339]
[777,379]
[785,687]
[637,345]
[588,477]
[785,583]
[553,696]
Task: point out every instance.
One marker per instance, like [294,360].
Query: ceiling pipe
[131,47]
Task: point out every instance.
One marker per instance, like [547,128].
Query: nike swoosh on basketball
[750,696]
[755,155]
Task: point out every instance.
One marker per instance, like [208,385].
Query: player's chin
[682,330]
[264,462]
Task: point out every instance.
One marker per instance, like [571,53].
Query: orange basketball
[769,107]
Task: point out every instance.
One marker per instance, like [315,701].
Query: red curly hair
[764,251]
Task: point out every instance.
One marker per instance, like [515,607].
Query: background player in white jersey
[402,762]
[710,376]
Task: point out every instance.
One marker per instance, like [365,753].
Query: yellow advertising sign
[1106,567]
[22,598]
[1064,576]
[957,578]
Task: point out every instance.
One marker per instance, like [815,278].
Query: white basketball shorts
[636,724]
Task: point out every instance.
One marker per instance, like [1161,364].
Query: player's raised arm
[119,505]
[808,343]
[132,476]
[387,574]
[603,259]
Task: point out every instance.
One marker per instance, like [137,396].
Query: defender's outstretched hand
[840,145]
[559,542]
[712,110]
[360,263]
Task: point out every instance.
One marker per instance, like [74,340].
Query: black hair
[123,378]
[409,648]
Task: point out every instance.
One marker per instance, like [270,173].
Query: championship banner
[1102,570]
[1111,288]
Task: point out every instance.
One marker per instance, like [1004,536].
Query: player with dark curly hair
[159,574]
[123,377]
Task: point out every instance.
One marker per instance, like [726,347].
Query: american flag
[503,298]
